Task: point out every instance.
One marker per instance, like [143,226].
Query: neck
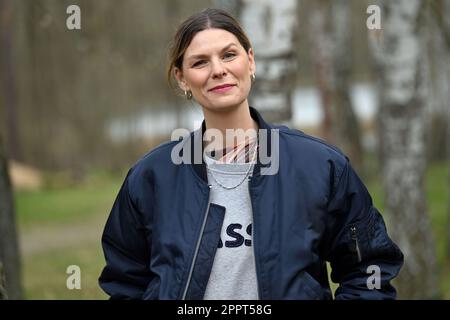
[235,118]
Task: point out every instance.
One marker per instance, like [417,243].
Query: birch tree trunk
[399,54]
[271,27]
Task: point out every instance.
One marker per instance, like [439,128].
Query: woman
[224,226]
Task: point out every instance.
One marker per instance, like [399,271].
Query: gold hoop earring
[253,76]
[188,94]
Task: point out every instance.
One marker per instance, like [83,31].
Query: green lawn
[437,204]
[44,272]
[67,204]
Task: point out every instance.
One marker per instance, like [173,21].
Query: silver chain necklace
[251,165]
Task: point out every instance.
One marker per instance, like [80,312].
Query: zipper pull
[355,238]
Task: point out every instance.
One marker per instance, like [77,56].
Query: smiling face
[217,70]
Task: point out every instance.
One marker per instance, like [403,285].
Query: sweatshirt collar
[200,168]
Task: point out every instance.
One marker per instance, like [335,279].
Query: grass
[438,201]
[67,204]
[44,272]
[437,190]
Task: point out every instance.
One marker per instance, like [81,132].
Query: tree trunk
[322,57]
[331,40]
[399,57]
[9,91]
[9,248]
[271,26]
[345,124]
[3,295]
[439,51]
[172,12]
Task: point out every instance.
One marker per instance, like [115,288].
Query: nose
[218,69]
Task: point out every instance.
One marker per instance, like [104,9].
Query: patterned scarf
[243,152]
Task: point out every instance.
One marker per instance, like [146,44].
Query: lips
[222,88]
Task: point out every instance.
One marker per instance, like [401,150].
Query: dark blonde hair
[206,19]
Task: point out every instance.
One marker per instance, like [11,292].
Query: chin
[224,106]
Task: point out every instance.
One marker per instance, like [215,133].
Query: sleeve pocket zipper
[355,239]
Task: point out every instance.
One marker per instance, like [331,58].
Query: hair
[206,19]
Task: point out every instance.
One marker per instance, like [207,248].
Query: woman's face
[217,69]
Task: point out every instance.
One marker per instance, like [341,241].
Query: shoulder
[308,147]
[311,158]
[156,155]
[157,159]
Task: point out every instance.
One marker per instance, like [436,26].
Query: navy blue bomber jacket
[161,235]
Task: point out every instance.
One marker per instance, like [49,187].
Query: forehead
[210,40]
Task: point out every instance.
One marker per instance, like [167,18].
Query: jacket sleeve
[126,246]
[363,258]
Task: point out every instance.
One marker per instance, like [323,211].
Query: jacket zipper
[197,246]
[355,238]
[253,241]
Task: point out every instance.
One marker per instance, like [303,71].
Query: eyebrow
[197,56]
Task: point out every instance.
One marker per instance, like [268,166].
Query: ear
[251,60]
[180,79]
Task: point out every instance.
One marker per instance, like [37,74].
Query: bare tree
[3,294]
[9,248]
[331,37]
[272,25]
[172,12]
[321,53]
[438,52]
[399,54]
[7,70]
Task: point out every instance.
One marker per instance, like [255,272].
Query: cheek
[244,76]
[246,87]
[242,70]
[197,79]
